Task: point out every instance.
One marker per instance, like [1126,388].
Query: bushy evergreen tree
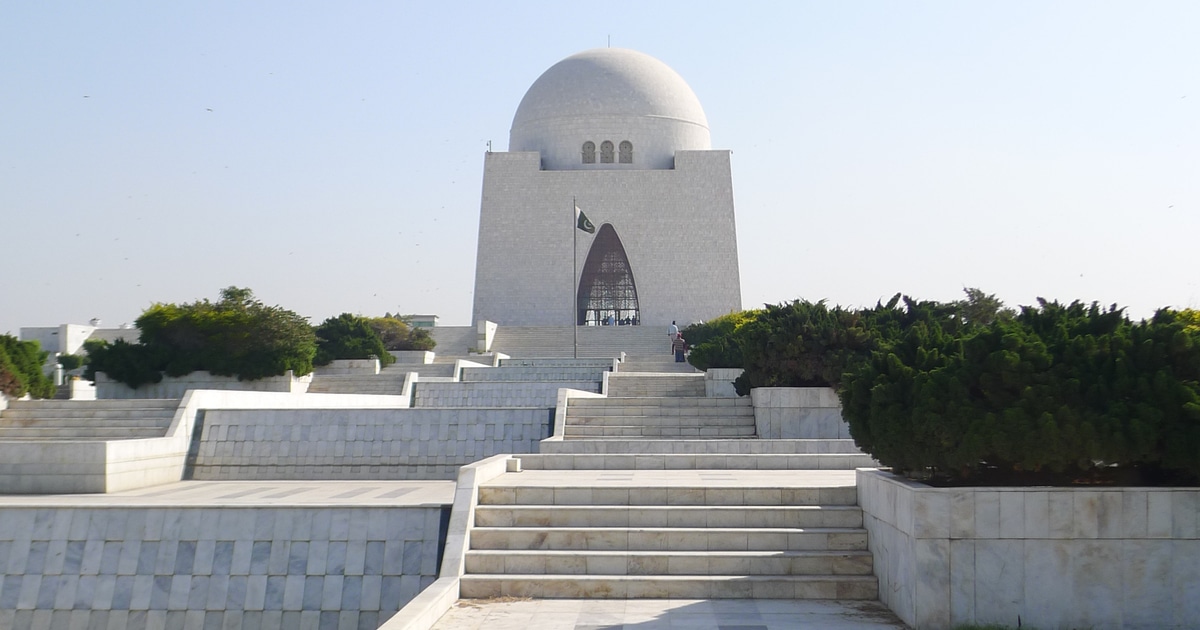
[21,368]
[350,337]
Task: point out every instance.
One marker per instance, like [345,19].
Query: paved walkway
[667,614]
[274,494]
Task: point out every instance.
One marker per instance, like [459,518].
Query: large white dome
[614,95]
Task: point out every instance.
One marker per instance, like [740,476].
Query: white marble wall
[527,228]
[1052,557]
[798,413]
[359,443]
[344,568]
[495,394]
[718,382]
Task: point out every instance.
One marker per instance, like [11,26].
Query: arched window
[589,152]
[606,286]
[606,152]
[626,152]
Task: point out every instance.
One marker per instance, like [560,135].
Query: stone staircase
[64,420]
[696,534]
[658,417]
[671,496]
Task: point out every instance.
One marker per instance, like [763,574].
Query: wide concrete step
[67,423]
[109,404]
[670,538]
[605,461]
[23,413]
[660,401]
[671,586]
[682,420]
[573,431]
[696,447]
[648,493]
[655,563]
[80,433]
[746,516]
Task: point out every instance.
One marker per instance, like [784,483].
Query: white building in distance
[619,134]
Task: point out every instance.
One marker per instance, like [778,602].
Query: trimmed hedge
[969,390]
[1072,390]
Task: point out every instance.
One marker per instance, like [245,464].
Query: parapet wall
[226,567]
[1100,558]
[359,443]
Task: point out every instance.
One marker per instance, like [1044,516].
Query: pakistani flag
[582,222]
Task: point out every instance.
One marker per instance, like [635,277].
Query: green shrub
[800,344]
[715,343]
[236,336]
[350,337]
[70,361]
[1070,389]
[397,334]
[21,369]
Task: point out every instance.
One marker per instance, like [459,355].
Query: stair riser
[73,424]
[126,403]
[493,516]
[475,587]
[665,564]
[660,402]
[660,421]
[77,434]
[696,462]
[541,495]
[616,539]
[15,414]
[659,431]
[620,447]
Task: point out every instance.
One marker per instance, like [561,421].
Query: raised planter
[798,413]
[177,386]
[718,382]
[1039,557]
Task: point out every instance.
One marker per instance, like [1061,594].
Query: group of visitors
[613,321]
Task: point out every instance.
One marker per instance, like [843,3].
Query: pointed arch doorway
[606,286]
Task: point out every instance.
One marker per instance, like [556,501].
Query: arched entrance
[606,286]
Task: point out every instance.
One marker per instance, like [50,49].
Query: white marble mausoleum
[619,134]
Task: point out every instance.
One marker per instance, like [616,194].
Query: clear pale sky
[329,155]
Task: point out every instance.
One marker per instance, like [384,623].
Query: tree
[398,334]
[21,368]
[350,337]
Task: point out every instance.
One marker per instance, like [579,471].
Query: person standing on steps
[672,333]
[680,347]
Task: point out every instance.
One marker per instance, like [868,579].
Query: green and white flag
[582,222]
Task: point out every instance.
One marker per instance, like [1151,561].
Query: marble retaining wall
[359,443]
[1039,557]
[495,394]
[344,568]
[798,413]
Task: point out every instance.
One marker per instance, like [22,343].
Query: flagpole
[574,276]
